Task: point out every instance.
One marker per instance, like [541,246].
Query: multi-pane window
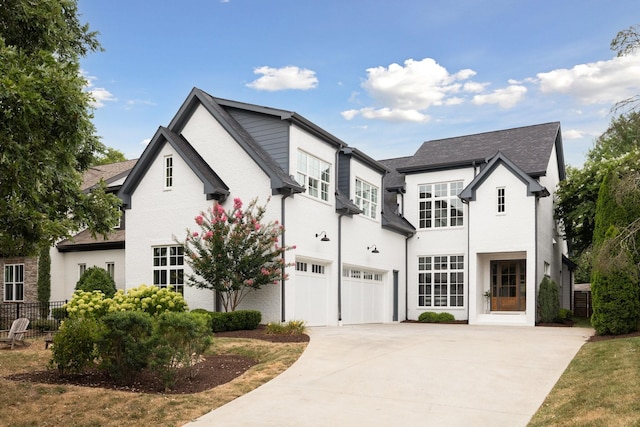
[111,269]
[441,281]
[439,205]
[304,267]
[315,175]
[501,200]
[367,198]
[168,172]
[81,269]
[362,274]
[168,267]
[14,282]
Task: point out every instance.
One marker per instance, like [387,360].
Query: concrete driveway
[412,375]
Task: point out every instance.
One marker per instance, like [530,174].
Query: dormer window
[367,198]
[168,172]
[315,175]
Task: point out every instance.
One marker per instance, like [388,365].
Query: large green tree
[617,147]
[47,138]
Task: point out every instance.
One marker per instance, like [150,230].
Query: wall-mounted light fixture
[324,236]
[373,249]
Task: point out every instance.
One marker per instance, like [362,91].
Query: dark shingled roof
[528,147]
[109,173]
[85,241]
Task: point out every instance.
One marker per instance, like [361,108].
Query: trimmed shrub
[74,345]
[564,314]
[292,327]
[87,304]
[97,279]
[125,345]
[433,317]
[428,317]
[180,339]
[445,317]
[548,300]
[235,320]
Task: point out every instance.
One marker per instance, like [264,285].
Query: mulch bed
[213,371]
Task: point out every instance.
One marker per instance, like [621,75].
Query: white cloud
[145,141]
[136,102]
[405,92]
[573,134]
[274,79]
[506,98]
[100,96]
[601,82]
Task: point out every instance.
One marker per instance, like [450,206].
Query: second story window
[501,201]
[439,205]
[168,172]
[315,175]
[367,198]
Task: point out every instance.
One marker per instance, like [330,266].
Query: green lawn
[600,387]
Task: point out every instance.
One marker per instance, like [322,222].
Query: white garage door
[362,296]
[311,293]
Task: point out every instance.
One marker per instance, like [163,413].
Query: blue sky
[383,76]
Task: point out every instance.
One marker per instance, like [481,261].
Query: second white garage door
[362,296]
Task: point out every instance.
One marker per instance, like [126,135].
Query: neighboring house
[19,275]
[71,257]
[376,241]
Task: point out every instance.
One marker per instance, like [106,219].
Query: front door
[508,285]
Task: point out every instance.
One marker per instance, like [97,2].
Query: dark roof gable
[214,187]
[528,147]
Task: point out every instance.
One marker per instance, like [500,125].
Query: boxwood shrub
[433,317]
[235,320]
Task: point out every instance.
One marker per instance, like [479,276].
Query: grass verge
[600,387]
[33,404]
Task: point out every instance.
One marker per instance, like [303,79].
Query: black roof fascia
[97,246]
[441,166]
[214,187]
[398,224]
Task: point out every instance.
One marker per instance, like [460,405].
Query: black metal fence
[43,317]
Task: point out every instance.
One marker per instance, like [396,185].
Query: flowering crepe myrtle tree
[235,252]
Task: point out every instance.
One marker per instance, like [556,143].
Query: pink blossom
[208,234]
[265,271]
[238,214]
[237,203]
[199,220]
[195,234]
[293,247]
[219,209]
[249,282]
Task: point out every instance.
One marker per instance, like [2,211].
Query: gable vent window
[168,172]
[439,205]
[315,175]
[501,200]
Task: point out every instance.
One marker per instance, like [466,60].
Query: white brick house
[377,241]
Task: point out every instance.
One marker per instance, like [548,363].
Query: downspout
[282,243]
[535,263]
[406,275]
[469,256]
[340,269]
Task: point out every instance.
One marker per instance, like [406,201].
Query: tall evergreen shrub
[548,300]
[614,283]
